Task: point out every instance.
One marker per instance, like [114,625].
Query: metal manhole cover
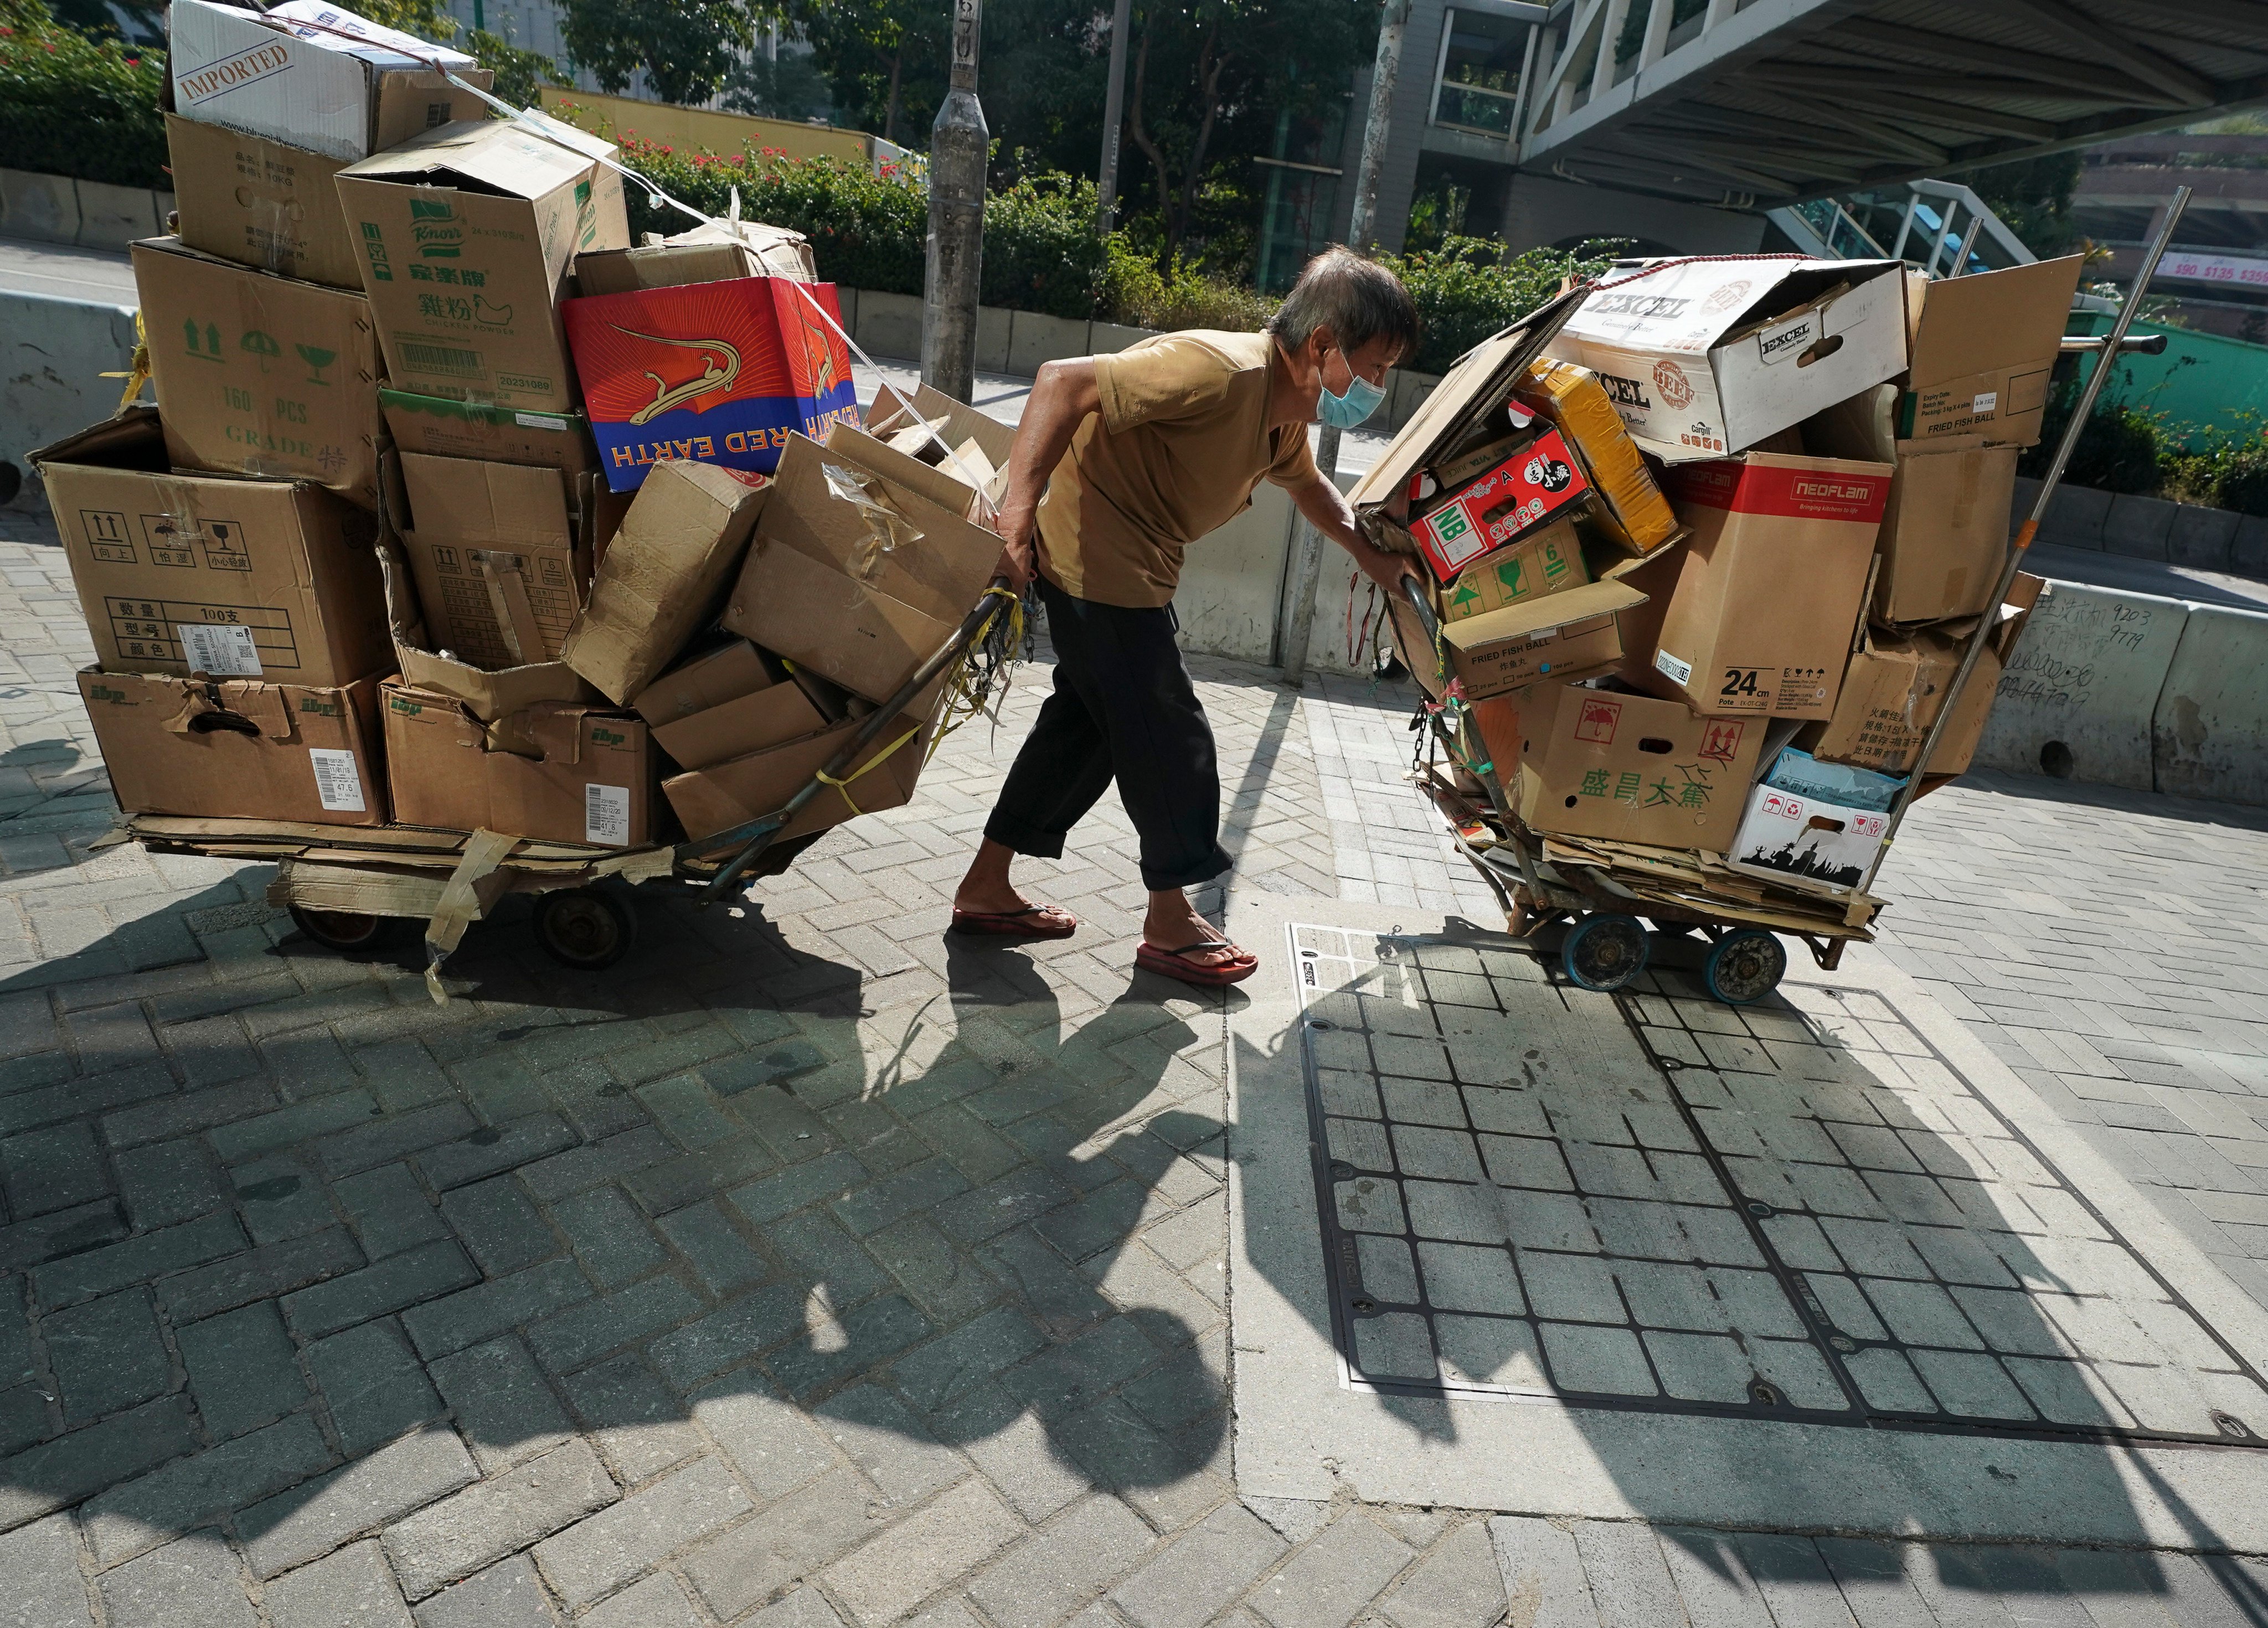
[1651,1201]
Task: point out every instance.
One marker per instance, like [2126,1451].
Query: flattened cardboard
[270,580]
[1560,635]
[1768,589]
[1707,358]
[450,429]
[591,783]
[489,695]
[744,789]
[259,375]
[705,254]
[469,235]
[893,411]
[725,673]
[239,749]
[293,75]
[500,572]
[750,723]
[261,204]
[487,501]
[663,574]
[1945,531]
[1547,562]
[1632,768]
[1983,351]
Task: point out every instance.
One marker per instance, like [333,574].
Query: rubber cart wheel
[1745,965]
[347,932]
[586,928]
[1604,951]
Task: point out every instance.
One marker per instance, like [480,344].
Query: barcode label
[607,815]
[218,651]
[338,781]
[540,421]
[429,359]
[1984,401]
[1681,672]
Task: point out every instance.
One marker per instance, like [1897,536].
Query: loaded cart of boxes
[457,511]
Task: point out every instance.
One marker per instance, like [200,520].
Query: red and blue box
[713,372]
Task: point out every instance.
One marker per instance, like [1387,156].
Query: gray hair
[1357,298]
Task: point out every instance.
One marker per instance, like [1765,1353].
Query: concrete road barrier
[2209,734]
[2080,693]
[52,355]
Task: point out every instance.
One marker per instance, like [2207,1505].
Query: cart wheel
[347,932]
[1604,951]
[1745,965]
[585,928]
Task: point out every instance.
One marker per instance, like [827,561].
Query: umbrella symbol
[317,358]
[262,345]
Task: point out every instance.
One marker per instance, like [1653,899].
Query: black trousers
[1123,707]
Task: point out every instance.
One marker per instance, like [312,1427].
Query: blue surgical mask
[1361,400]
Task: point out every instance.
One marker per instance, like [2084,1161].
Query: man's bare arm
[1327,511]
[1061,397]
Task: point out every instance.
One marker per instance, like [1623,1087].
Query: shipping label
[160,630]
[338,780]
[219,650]
[606,814]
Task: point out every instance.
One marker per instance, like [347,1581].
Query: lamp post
[958,144]
[1114,114]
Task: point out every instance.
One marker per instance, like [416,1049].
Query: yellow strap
[138,375]
[843,785]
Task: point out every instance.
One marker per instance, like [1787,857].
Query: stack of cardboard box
[1746,591]
[367,562]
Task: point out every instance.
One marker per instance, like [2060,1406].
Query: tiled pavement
[809,1271]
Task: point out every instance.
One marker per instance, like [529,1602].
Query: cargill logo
[233,72]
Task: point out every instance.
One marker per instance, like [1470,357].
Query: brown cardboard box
[723,674]
[270,580]
[1631,768]
[242,749]
[680,543]
[500,573]
[586,777]
[261,204]
[1895,688]
[259,375]
[1982,349]
[490,695]
[448,429]
[893,411]
[1562,635]
[1945,531]
[743,789]
[705,254]
[469,235]
[755,722]
[1768,587]
[817,587]
[1547,561]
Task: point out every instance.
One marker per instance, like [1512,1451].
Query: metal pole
[1308,558]
[958,149]
[2029,529]
[1114,114]
[1968,242]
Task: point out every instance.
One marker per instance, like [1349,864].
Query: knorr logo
[433,227]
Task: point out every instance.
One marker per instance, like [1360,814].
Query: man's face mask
[1347,410]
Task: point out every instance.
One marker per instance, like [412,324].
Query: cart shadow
[1561,1227]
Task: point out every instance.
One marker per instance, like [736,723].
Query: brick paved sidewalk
[810,1271]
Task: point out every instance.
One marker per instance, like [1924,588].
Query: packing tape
[462,903]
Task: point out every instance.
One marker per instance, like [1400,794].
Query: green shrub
[72,104]
[1466,290]
[1041,250]
[2123,448]
[1135,292]
[2229,471]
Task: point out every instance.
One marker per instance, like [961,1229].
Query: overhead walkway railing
[1940,226]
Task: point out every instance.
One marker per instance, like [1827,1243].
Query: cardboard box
[1812,825]
[1706,358]
[568,774]
[707,253]
[1546,562]
[260,374]
[1983,351]
[717,373]
[239,749]
[232,577]
[1945,530]
[1895,685]
[1562,635]
[500,572]
[296,76]
[957,423]
[755,722]
[818,589]
[469,234]
[1768,588]
[261,203]
[1631,768]
[663,574]
[490,695]
[1631,511]
[743,789]
[1537,480]
[450,429]
[710,680]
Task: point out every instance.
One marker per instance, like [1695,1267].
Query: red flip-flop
[1176,964]
[1029,923]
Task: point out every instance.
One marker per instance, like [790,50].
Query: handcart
[1610,893]
[348,888]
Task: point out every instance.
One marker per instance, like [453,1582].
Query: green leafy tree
[518,74]
[887,59]
[73,104]
[2033,197]
[687,50]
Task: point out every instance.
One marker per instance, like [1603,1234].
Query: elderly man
[1120,462]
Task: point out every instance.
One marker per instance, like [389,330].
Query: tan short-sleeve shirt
[1181,439]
